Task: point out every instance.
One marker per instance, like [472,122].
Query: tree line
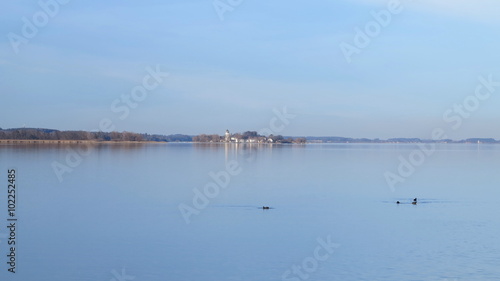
[48,134]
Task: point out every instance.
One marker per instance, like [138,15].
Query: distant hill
[29,129]
[396,140]
[339,140]
[481,140]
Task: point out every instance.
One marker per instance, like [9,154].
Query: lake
[183,211]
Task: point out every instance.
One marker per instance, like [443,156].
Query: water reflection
[119,208]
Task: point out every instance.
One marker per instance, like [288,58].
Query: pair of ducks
[414,202]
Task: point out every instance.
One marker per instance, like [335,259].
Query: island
[247,137]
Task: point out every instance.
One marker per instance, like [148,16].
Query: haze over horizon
[234,70]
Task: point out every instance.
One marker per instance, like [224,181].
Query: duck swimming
[414,201]
[265,208]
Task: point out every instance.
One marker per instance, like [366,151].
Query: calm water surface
[115,214]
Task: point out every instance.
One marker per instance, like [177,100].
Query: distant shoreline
[96,142]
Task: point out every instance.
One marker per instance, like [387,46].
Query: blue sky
[264,55]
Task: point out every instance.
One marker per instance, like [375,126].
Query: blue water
[115,215]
